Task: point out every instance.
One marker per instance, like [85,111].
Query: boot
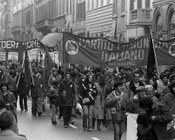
[98,125]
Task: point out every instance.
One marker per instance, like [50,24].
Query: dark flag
[27,69]
[48,64]
[151,64]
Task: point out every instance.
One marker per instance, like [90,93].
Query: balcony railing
[16,29]
[141,17]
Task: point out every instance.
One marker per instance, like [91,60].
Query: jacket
[117,103]
[131,89]
[10,135]
[67,92]
[36,88]
[9,99]
[88,93]
[169,101]
[159,124]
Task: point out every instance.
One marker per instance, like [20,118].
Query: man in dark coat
[67,92]
[23,90]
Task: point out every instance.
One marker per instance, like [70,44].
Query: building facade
[163,26]
[17,28]
[99,18]
[132,19]
[6,9]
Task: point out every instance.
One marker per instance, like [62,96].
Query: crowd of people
[104,94]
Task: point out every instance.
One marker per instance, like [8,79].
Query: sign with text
[103,52]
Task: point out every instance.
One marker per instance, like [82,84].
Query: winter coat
[88,93]
[131,89]
[67,92]
[169,101]
[99,102]
[12,82]
[159,129]
[117,103]
[9,99]
[36,88]
[133,107]
[23,87]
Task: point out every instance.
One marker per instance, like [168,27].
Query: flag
[151,63]
[37,59]
[115,32]
[27,69]
[48,64]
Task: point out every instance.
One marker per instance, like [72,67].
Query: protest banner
[103,52]
[165,51]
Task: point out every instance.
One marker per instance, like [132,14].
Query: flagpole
[17,84]
[156,61]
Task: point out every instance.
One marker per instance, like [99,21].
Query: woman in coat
[99,102]
[89,92]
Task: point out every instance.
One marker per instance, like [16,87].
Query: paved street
[40,128]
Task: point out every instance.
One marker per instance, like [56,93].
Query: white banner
[13,56]
[131,132]
[2,56]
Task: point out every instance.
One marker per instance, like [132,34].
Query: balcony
[141,17]
[16,29]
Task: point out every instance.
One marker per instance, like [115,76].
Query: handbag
[86,100]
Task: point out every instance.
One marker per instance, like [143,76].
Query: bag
[79,108]
[86,100]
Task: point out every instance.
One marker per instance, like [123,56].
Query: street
[40,128]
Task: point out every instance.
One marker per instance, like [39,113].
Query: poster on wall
[13,56]
[2,56]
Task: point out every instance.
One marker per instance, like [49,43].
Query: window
[147,4]
[97,3]
[93,4]
[159,27]
[81,8]
[102,3]
[28,17]
[123,6]
[133,5]
[88,5]
[172,25]
[139,4]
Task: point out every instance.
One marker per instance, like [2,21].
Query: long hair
[171,88]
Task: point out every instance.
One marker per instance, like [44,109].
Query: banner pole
[156,61]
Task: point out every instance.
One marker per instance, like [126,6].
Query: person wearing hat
[117,101]
[133,104]
[6,121]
